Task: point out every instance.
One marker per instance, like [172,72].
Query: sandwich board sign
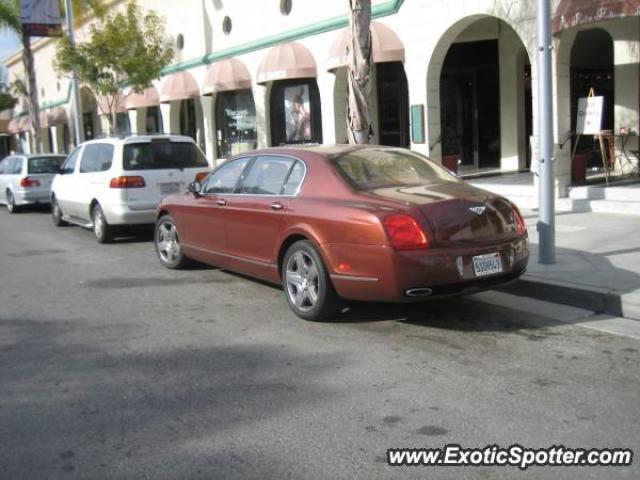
[589,115]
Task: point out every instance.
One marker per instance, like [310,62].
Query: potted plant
[451,151]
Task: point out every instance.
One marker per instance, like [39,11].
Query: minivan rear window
[158,155]
[45,165]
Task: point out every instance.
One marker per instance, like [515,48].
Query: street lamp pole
[546,220]
[75,91]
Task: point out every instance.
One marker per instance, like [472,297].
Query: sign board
[417,123]
[41,18]
[589,115]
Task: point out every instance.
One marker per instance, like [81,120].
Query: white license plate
[169,188]
[487,264]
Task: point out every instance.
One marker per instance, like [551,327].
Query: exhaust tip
[418,292]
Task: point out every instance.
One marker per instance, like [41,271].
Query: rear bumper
[379,273]
[26,197]
[123,215]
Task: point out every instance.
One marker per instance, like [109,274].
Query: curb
[590,298]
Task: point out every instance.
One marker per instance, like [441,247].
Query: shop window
[153,120]
[66,138]
[235,123]
[123,126]
[295,112]
[188,118]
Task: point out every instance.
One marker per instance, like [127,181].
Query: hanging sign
[589,115]
[41,18]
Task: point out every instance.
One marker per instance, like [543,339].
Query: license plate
[487,264]
[169,188]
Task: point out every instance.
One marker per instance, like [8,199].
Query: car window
[226,177]
[97,157]
[4,165]
[267,176]
[16,166]
[37,165]
[161,154]
[69,165]
[295,178]
[369,168]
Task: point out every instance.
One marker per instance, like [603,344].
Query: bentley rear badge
[478,210]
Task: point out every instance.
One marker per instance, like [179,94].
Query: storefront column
[326,83]
[261,98]
[134,121]
[512,120]
[207,103]
[56,137]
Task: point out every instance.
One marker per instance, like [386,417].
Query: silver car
[26,179]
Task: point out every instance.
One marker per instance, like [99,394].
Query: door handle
[276,206]
[222,202]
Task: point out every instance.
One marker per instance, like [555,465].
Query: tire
[101,229]
[11,203]
[167,244]
[307,286]
[56,213]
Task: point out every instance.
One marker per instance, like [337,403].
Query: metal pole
[75,91]
[546,221]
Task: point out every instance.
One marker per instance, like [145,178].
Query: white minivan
[111,182]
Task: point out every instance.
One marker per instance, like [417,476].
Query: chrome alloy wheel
[167,242]
[302,282]
[98,223]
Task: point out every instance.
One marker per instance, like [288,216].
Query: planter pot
[451,162]
[579,167]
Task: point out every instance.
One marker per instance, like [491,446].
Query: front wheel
[167,244]
[307,285]
[101,229]
[56,213]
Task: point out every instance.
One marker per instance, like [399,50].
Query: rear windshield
[370,168]
[157,155]
[45,164]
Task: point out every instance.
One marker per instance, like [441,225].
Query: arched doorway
[590,70]
[90,123]
[480,76]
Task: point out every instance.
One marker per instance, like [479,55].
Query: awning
[287,60]
[44,119]
[148,98]
[58,116]
[179,86]
[229,74]
[103,104]
[571,13]
[24,124]
[385,44]
[14,125]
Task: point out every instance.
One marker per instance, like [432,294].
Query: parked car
[345,222]
[26,179]
[112,182]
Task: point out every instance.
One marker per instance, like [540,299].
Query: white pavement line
[563,313]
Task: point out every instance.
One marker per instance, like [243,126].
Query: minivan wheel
[11,203]
[167,244]
[101,229]
[307,285]
[56,213]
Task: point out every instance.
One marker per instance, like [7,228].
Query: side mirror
[194,188]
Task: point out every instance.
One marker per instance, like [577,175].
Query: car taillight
[201,176]
[521,228]
[404,233]
[127,182]
[29,182]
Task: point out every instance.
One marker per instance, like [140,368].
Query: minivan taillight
[404,233]
[127,182]
[27,182]
[521,227]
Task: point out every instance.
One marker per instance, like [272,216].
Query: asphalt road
[113,367]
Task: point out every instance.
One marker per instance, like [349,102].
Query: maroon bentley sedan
[350,222]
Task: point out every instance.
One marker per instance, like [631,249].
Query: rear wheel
[56,213]
[101,229]
[307,285]
[167,244]
[11,203]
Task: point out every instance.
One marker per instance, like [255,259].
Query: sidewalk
[597,263]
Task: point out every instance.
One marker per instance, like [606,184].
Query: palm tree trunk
[359,81]
[32,91]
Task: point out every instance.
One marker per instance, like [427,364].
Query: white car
[111,182]
[26,179]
